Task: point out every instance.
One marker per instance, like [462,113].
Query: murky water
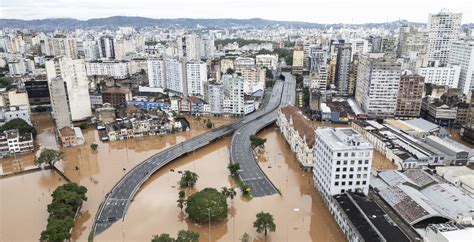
[97,170]
[299,212]
[23,203]
[44,139]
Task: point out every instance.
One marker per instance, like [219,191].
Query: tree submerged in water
[207,204]
[183,236]
[188,179]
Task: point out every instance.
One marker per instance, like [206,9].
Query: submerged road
[116,202]
[241,151]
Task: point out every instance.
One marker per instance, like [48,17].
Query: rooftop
[343,138]
[300,123]
[370,221]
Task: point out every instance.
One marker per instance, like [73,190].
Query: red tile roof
[300,123]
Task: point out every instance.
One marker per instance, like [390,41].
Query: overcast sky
[319,11]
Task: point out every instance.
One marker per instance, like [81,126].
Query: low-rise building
[13,112]
[116,96]
[71,136]
[12,142]
[421,199]
[299,134]
[361,219]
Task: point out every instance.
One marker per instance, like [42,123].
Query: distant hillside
[138,22]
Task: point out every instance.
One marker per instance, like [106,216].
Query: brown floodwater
[97,170]
[23,203]
[44,139]
[299,212]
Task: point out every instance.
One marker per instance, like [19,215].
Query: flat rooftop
[371,222]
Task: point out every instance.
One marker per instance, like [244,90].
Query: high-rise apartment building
[343,65]
[377,85]
[298,59]
[189,46]
[59,103]
[73,74]
[410,93]
[342,162]
[174,74]
[156,73]
[107,47]
[216,98]
[411,39]
[443,29]
[462,54]
[441,75]
[234,102]
[196,75]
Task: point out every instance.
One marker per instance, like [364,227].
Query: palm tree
[181,201]
[188,179]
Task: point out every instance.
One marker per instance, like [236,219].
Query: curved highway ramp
[241,152]
[116,202]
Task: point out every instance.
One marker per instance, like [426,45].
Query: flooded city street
[299,212]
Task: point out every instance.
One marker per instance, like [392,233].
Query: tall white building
[216,98]
[174,75]
[156,73]
[441,75]
[462,54]
[59,103]
[60,46]
[73,73]
[116,69]
[196,75]
[377,85]
[342,162]
[443,28]
[189,46]
[90,49]
[234,102]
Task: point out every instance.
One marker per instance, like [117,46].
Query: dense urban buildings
[381,114]
[377,85]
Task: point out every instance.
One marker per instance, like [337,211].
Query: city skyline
[339,11]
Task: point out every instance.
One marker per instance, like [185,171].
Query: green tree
[162,238]
[245,238]
[67,199]
[183,236]
[257,142]
[20,124]
[187,236]
[94,146]
[229,71]
[264,223]
[269,74]
[49,157]
[205,204]
[188,179]
[181,200]
[229,192]
[233,168]
[306,95]
[7,82]
[209,124]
